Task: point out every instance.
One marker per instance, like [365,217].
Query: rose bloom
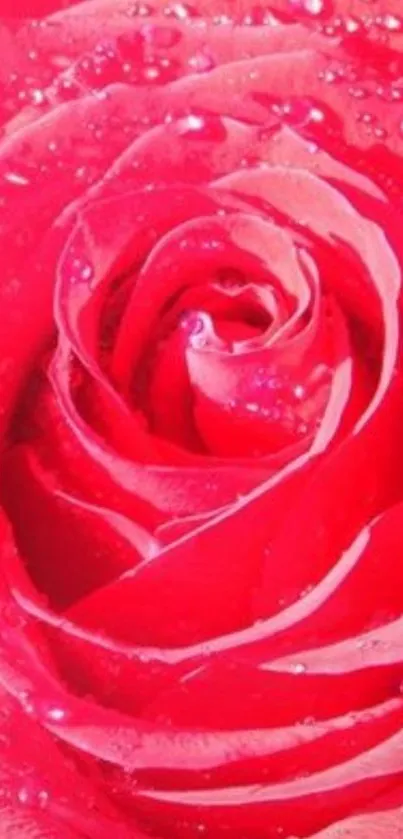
[201,391]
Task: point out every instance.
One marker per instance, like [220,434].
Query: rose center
[231,370]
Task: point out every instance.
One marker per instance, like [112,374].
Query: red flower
[201,389]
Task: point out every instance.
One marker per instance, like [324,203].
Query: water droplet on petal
[81,271]
[43,710]
[252,407]
[37,96]
[222,20]
[366,118]
[160,70]
[201,62]
[208,127]
[182,11]
[32,794]
[328,76]
[314,8]
[299,391]
[16,178]
[56,714]
[257,16]
[352,25]
[299,668]
[140,9]
[390,22]
[358,92]
[380,133]
[300,111]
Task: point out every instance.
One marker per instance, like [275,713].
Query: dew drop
[390,22]
[207,127]
[257,16]
[328,76]
[390,94]
[43,710]
[222,20]
[151,73]
[299,391]
[160,70]
[314,8]
[37,96]
[380,133]
[329,30]
[358,92]
[316,115]
[299,668]
[201,62]
[367,643]
[252,407]
[366,118]
[181,11]
[56,714]
[80,172]
[81,271]
[301,111]
[352,25]
[30,795]
[16,178]
[140,9]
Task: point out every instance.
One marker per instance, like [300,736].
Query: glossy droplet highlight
[257,16]
[202,62]
[33,794]
[81,271]
[390,22]
[160,70]
[206,127]
[44,710]
[300,111]
[313,8]
[140,10]
[16,179]
[37,95]
[181,11]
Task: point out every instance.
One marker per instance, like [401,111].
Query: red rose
[201,389]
